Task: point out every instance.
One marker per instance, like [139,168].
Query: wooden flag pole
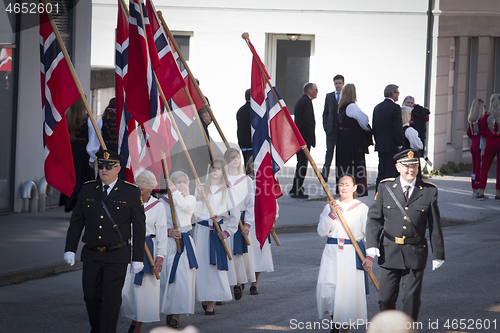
[171,200]
[150,258]
[190,99]
[245,36]
[75,77]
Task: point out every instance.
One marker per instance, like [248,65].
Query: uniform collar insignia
[395,185]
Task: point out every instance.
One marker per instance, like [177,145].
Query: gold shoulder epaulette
[388,180]
[91,181]
[126,182]
[429,183]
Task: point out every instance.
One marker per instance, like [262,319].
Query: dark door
[292,69]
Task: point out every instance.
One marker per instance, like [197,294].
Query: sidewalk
[32,244]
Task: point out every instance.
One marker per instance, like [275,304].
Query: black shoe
[479,197]
[242,286]
[209,313]
[497,198]
[219,303]
[174,323]
[237,292]
[169,319]
[299,196]
[131,329]
[253,290]
[325,177]
[204,306]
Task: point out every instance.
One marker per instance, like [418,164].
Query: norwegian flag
[125,124]
[59,92]
[275,139]
[163,61]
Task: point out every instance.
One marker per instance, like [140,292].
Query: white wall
[372,43]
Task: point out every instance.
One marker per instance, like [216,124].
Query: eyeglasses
[108,167]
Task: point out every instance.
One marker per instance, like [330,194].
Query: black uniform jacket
[387,126]
[125,206]
[304,119]
[385,216]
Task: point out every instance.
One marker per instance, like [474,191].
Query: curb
[37,273]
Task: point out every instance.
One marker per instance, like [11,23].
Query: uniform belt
[403,240]
[108,248]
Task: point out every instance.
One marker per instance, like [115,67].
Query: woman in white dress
[178,275]
[263,259]
[341,289]
[212,283]
[241,269]
[141,291]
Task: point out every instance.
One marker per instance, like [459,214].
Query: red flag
[59,92]
[275,140]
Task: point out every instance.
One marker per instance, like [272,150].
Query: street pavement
[32,244]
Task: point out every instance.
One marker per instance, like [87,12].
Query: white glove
[69,257]
[436,263]
[136,267]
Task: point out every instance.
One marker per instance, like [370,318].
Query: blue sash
[359,263]
[217,254]
[239,244]
[147,265]
[185,241]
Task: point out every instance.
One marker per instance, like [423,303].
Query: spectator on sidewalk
[476,113]
[387,132]
[489,126]
[244,131]
[419,118]
[304,119]
[331,123]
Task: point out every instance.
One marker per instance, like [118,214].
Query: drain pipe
[43,190]
[29,194]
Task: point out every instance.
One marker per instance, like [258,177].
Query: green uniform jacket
[385,216]
[125,206]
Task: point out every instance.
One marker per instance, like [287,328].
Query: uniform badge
[410,154]
[106,155]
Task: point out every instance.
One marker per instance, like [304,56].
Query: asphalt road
[464,288]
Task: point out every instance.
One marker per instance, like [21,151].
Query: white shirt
[110,186]
[412,185]
[355,112]
[412,135]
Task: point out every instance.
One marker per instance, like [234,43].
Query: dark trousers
[389,281]
[102,292]
[386,166]
[330,149]
[300,173]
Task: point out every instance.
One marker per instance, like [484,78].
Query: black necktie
[406,192]
[105,192]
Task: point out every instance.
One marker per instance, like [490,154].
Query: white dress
[142,302]
[263,259]
[341,287]
[241,268]
[213,284]
[178,297]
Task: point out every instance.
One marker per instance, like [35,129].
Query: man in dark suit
[244,131]
[403,208]
[331,123]
[304,119]
[388,132]
[108,210]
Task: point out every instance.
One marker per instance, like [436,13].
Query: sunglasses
[108,167]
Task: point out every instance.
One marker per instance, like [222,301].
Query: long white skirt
[141,303]
[177,297]
[341,287]
[211,284]
[241,268]
[263,260]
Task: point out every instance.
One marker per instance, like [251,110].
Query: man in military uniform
[403,208]
[107,208]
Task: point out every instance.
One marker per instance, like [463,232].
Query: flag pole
[75,77]
[197,116]
[246,37]
[171,200]
[191,77]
